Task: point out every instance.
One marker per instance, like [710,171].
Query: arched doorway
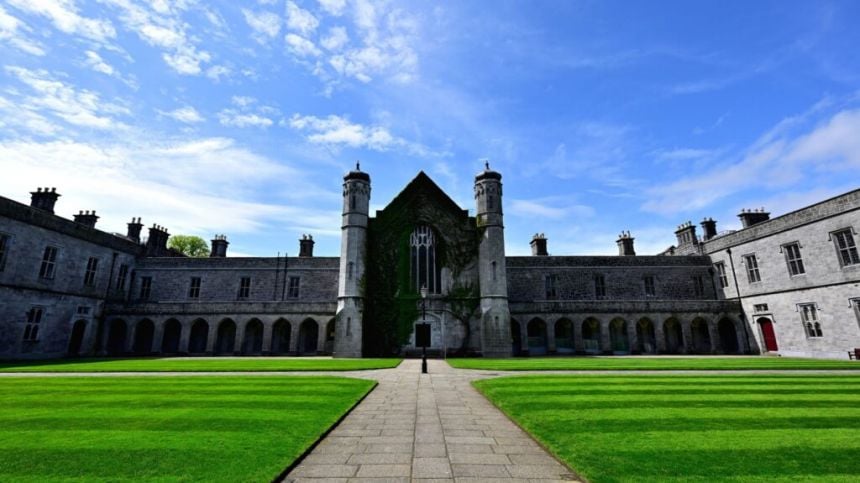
[281,333]
[143,335]
[516,338]
[225,342]
[199,337]
[591,336]
[116,338]
[728,336]
[564,336]
[308,335]
[171,337]
[701,336]
[674,337]
[253,343]
[646,340]
[76,340]
[537,337]
[768,334]
[618,339]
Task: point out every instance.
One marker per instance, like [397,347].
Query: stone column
[240,338]
[294,338]
[605,340]
[632,338]
[267,338]
[660,336]
[715,338]
[212,339]
[184,337]
[129,337]
[550,337]
[686,337]
[321,336]
[157,337]
[578,344]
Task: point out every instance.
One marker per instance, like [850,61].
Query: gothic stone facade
[787,285]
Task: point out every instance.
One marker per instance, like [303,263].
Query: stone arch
[536,331]
[225,340]
[199,337]
[117,333]
[308,335]
[329,336]
[619,341]
[646,338]
[591,335]
[673,335]
[76,339]
[253,341]
[564,336]
[701,336]
[281,333]
[516,338]
[728,336]
[172,336]
[144,333]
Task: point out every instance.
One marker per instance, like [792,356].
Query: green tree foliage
[189,245]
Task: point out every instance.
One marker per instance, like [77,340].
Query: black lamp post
[423,334]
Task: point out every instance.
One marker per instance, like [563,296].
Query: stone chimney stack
[219,246]
[709,228]
[306,246]
[134,229]
[538,244]
[156,245]
[686,234]
[86,218]
[625,245]
[44,200]
[753,217]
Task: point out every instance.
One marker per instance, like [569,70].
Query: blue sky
[221,117]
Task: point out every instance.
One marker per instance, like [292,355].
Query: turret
[44,200]
[625,244]
[86,218]
[306,246]
[353,249]
[495,316]
[219,247]
[134,228]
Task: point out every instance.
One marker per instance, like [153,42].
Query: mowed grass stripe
[651,363]
[167,430]
[199,364]
[619,428]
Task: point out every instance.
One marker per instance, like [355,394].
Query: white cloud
[12,31]
[266,25]
[333,7]
[335,39]
[96,63]
[18,121]
[243,101]
[300,20]
[216,72]
[63,14]
[301,46]
[234,118]
[186,114]
[555,208]
[340,131]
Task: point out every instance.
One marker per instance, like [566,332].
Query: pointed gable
[421,195]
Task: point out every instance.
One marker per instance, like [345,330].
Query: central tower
[495,315]
[353,251]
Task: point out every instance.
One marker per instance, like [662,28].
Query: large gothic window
[423,267]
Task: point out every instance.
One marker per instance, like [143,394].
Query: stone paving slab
[428,428]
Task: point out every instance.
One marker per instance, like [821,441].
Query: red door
[769,335]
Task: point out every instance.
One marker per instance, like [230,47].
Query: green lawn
[198,364]
[164,428]
[650,363]
[703,428]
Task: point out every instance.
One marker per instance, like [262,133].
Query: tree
[189,245]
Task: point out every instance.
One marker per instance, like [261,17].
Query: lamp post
[423,324]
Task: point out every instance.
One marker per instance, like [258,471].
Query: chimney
[219,246]
[753,217]
[686,234]
[538,244]
[134,229]
[306,246]
[86,218]
[625,245]
[156,245]
[44,200]
[709,228]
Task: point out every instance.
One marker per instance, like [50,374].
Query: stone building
[68,288]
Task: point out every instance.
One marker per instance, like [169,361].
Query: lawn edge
[282,476]
[540,443]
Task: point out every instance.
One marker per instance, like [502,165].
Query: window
[350,267]
[753,274]
[352,202]
[550,282]
[145,288]
[698,285]
[120,278]
[721,274]
[293,289]
[31,330]
[194,290]
[650,289]
[83,310]
[493,265]
[424,271]
[245,287]
[758,308]
[845,247]
[599,286]
[809,316]
[793,259]
[49,260]
[90,274]
[4,248]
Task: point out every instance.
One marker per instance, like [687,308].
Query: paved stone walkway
[428,428]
